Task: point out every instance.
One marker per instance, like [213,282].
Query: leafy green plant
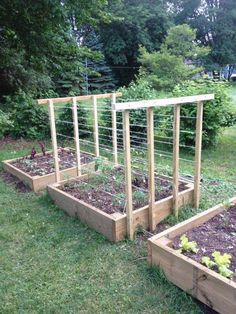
[140,196]
[65,125]
[5,123]
[186,245]
[218,113]
[29,119]
[208,262]
[222,261]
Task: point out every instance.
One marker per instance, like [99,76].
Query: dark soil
[106,191]
[15,182]
[42,165]
[217,234]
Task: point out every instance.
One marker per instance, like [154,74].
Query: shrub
[5,123]
[67,128]
[218,113]
[139,90]
[29,119]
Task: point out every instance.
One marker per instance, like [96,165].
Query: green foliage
[29,119]
[164,70]
[167,67]
[208,262]
[135,23]
[215,24]
[39,48]
[5,123]
[222,261]
[65,123]
[186,245]
[218,113]
[181,42]
[138,90]
[98,75]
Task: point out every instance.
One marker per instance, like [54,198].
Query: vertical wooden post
[76,135]
[198,154]
[95,126]
[114,131]
[54,138]
[151,166]
[128,175]
[176,133]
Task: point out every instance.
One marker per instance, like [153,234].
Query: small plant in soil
[186,245]
[119,200]
[33,153]
[43,148]
[221,261]
[140,196]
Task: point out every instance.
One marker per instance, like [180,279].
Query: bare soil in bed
[41,165]
[217,234]
[106,191]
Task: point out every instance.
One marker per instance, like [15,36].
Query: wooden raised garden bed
[100,209]
[212,230]
[38,172]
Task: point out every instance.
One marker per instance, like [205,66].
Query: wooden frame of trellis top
[149,105]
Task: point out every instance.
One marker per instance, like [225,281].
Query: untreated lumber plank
[128,175]
[95,126]
[176,134]
[76,135]
[69,99]
[114,131]
[198,154]
[161,102]
[54,138]
[151,166]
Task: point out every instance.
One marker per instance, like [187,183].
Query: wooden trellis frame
[149,105]
[53,101]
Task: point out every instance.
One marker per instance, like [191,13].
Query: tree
[38,48]
[175,62]
[136,23]
[98,75]
[215,22]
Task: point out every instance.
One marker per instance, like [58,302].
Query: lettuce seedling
[223,262]
[186,245]
[208,262]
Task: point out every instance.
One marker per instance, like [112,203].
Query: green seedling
[208,262]
[186,245]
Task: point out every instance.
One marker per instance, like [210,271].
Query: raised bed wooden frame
[37,183]
[114,226]
[202,283]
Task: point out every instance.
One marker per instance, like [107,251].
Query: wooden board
[69,99]
[38,183]
[161,102]
[117,230]
[206,285]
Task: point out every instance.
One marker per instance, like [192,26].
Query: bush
[29,119]
[218,113]
[5,123]
[67,128]
[139,90]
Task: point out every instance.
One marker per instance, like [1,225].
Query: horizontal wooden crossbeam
[67,99]
[161,102]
